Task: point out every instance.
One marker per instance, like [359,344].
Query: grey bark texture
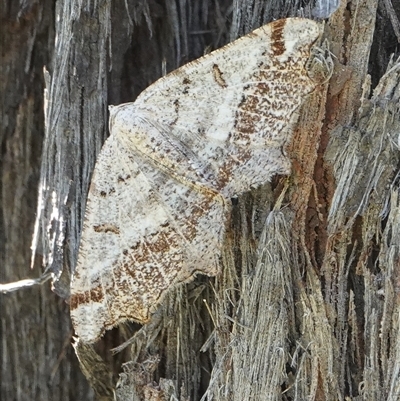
[307,305]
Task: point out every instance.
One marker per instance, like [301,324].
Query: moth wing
[144,231]
[232,110]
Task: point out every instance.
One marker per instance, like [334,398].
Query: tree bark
[306,305]
[37,361]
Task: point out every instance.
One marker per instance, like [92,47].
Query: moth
[160,194]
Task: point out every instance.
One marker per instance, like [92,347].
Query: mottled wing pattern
[157,206]
[234,109]
[144,231]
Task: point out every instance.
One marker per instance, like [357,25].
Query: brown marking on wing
[263,100]
[217,74]
[123,179]
[230,165]
[95,294]
[106,228]
[277,41]
[103,194]
[142,262]
[158,243]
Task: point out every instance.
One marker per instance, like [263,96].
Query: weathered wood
[37,362]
